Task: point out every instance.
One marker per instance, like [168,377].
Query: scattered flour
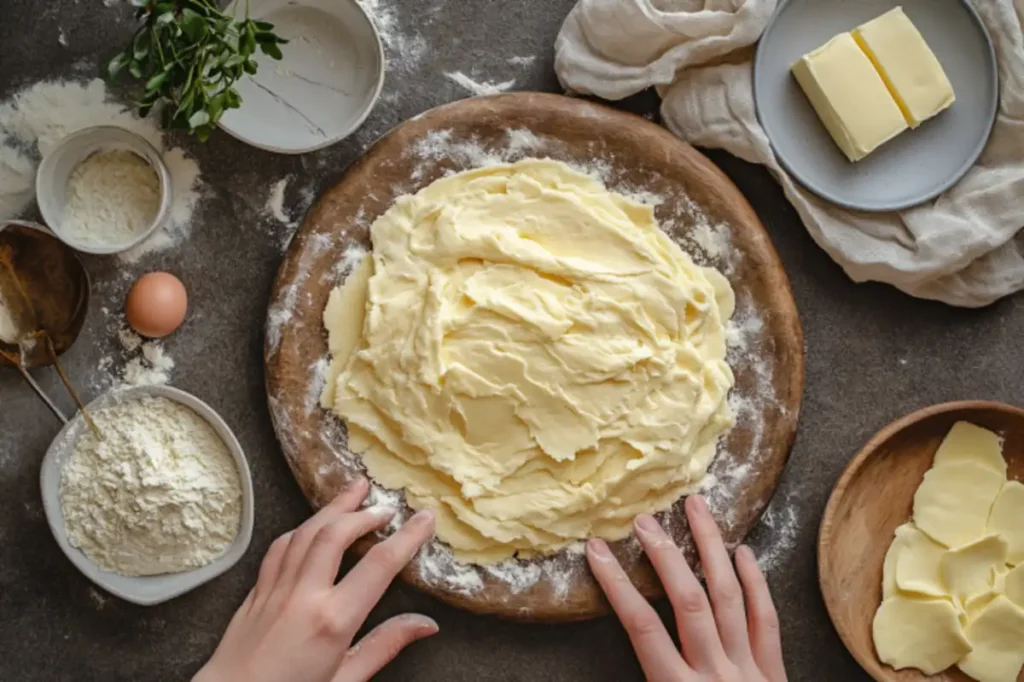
[406,51]
[775,537]
[135,362]
[61,37]
[478,88]
[522,61]
[158,493]
[275,201]
[152,368]
[36,119]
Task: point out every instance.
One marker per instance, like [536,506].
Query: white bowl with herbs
[153,498]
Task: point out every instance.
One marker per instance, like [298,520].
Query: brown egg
[156,304]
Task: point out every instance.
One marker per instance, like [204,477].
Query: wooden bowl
[874,495]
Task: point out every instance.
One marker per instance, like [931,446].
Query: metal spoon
[45,290]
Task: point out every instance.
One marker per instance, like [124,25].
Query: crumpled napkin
[965,248]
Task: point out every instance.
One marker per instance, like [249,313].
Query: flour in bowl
[159,493]
[112,196]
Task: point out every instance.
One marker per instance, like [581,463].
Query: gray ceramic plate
[917,165]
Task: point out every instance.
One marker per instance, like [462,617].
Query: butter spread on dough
[538,362]
[919,633]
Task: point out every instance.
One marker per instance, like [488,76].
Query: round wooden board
[699,207]
[875,495]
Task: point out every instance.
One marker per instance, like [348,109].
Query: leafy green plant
[190,54]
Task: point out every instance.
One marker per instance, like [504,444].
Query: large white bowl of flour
[125,572]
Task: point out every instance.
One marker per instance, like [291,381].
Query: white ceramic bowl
[56,168]
[145,590]
[324,87]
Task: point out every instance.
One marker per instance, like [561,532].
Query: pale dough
[997,637]
[919,633]
[536,360]
[951,559]
[953,503]
[1007,519]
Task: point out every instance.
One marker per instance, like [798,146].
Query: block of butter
[849,96]
[907,65]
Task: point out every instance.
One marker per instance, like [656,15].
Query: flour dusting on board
[685,221]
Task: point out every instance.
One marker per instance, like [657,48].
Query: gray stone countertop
[873,355]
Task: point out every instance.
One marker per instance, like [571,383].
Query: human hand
[296,624]
[732,638]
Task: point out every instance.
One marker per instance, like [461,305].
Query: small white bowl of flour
[103,190]
[158,505]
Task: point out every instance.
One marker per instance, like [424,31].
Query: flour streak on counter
[405,50]
[38,117]
[479,87]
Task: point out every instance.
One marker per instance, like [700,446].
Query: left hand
[296,624]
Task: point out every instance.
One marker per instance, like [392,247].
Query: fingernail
[699,504]
[422,517]
[426,626]
[599,548]
[647,524]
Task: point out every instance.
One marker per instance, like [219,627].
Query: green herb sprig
[190,54]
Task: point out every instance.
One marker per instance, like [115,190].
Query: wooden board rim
[671,152]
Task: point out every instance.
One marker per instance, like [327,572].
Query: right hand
[296,624]
[732,638]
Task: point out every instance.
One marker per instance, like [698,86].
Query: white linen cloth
[965,248]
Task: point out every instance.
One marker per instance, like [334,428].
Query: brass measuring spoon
[45,292]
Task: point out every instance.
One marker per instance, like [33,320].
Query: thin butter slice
[997,640]
[919,633]
[892,557]
[968,571]
[966,442]
[917,567]
[910,69]
[952,504]
[1007,519]
[1013,586]
[849,96]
